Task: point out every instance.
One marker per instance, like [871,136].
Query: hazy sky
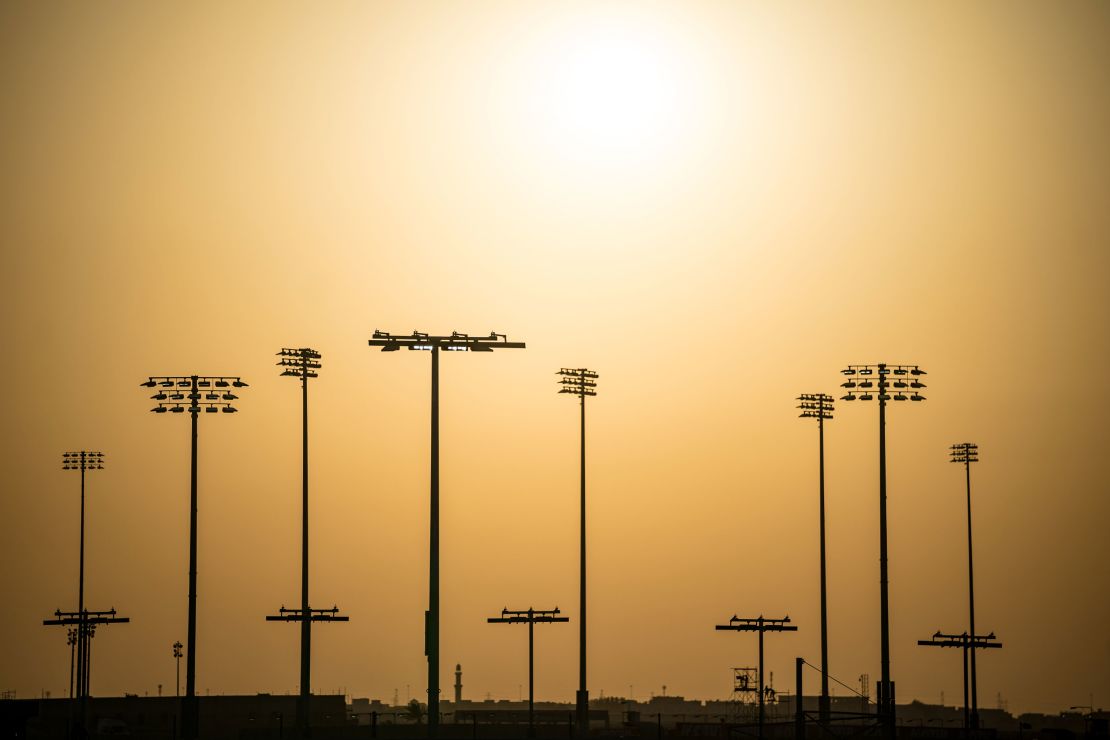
[715,205]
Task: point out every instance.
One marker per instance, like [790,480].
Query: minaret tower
[458,684]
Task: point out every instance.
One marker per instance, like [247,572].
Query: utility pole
[820,406]
[969,643]
[582,383]
[529,616]
[303,363]
[177,659]
[85,622]
[213,394]
[760,625]
[456,342]
[964,454]
[860,383]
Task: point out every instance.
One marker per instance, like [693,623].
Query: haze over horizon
[716,206]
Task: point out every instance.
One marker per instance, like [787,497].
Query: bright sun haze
[716,205]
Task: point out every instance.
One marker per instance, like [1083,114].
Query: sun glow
[614,90]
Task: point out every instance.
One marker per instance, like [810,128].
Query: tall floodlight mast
[867,383]
[820,406]
[178,394]
[964,454]
[303,363]
[582,383]
[455,342]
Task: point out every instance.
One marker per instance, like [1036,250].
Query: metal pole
[799,714]
[971,601]
[82,636]
[190,717]
[583,698]
[885,694]
[72,652]
[967,714]
[306,616]
[761,678]
[531,675]
[824,707]
[433,560]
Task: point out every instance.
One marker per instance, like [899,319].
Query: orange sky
[717,206]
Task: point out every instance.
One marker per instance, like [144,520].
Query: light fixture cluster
[965,452]
[455,342]
[299,363]
[870,382]
[83,460]
[815,406]
[579,381]
[194,393]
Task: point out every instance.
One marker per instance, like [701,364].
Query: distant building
[221,717]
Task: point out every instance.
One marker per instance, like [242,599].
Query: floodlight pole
[531,616]
[882,372]
[303,363]
[191,717]
[455,342]
[760,625]
[966,453]
[581,382]
[192,403]
[431,619]
[820,406]
[81,461]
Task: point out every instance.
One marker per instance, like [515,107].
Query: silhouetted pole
[71,640]
[531,616]
[964,454]
[190,719]
[581,382]
[87,621]
[456,342]
[431,619]
[303,363]
[177,402]
[760,625]
[882,371]
[177,660]
[799,713]
[81,461]
[967,706]
[820,406]
[969,643]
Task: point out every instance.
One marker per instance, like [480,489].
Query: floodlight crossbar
[82,460]
[976,642]
[314,615]
[815,406]
[578,381]
[299,363]
[200,395]
[879,377]
[758,624]
[511,616]
[455,342]
[965,452]
[91,618]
